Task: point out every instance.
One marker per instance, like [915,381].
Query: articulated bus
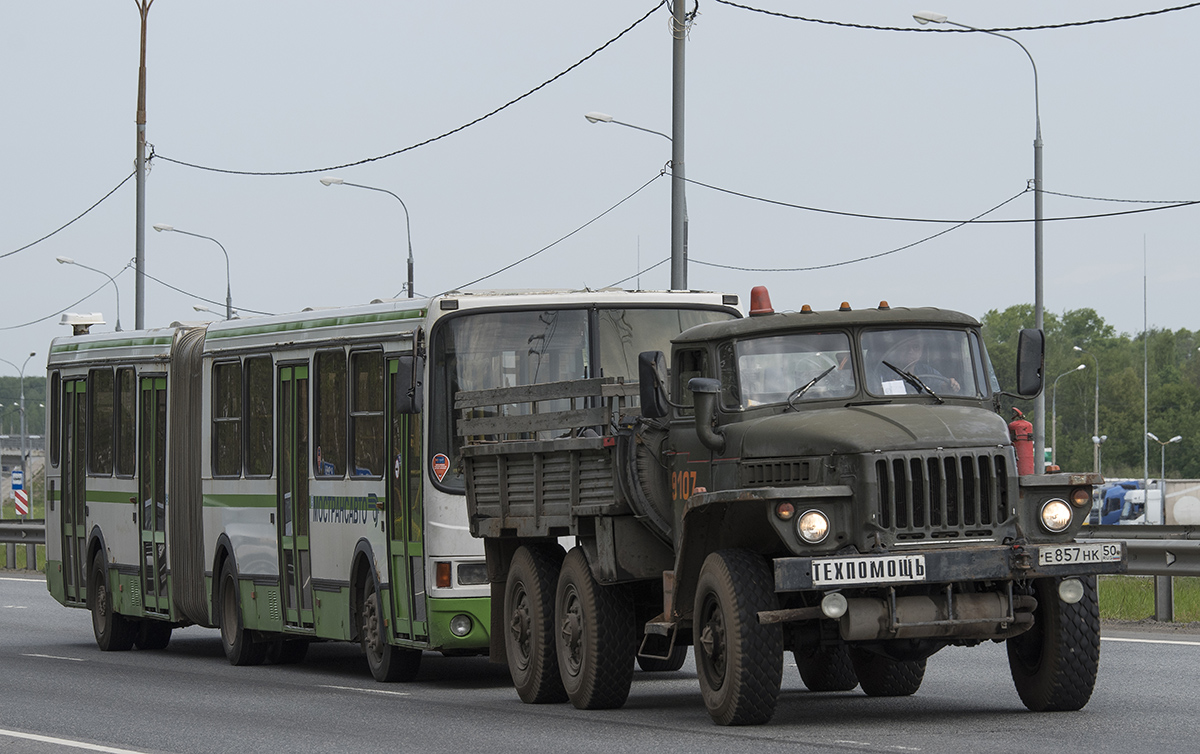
[296,478]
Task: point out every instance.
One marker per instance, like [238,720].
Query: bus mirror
[652,380]
[408,395]
[1031,346]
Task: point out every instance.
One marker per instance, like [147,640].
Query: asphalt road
[61,694]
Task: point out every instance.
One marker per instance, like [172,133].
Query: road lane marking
[54,657]
[67,742]
[28,581]
[365,691]
[14,607]
[1152,641]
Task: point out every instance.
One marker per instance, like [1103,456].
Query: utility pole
[139,315]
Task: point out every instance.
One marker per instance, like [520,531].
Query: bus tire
[595,640]
[660,665]
[529,623]
[388,662]
[739,661]
[287,651]
[152,634]
[114,632]
[827,668]
[239,647]
[1054,663]
[883,676]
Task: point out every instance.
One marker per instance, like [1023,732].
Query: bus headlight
[812,527]
[461,625]
[1056,516]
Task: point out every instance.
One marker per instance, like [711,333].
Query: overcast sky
[894,123]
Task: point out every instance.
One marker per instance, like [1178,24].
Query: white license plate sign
[870,570]
[1093,552]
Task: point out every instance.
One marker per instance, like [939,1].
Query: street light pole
[333,181]
[111,279]
[1098,440]
[21,371]
[139,314]
[160,227]
[1039,417]
[1095,408]
[1163,443]
[1054,415]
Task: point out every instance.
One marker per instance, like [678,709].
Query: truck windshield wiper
[913,380]
[800,391]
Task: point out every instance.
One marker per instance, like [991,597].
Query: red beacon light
[760,301]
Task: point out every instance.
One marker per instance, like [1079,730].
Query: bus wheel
[1054,663]
[739,660]
[114,632]
[595,638]
[153,634]
[235,638]
[287,651]
[826,668]
[388,662]
[529,623]
[659,665]
[883,676]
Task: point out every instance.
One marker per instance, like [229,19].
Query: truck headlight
[1056,515]
[460,625]
[812,526]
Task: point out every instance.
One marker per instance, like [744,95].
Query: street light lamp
[111,279]
[162,227]
[1095,408]
[1098,440]
[21,371]
[1163,443]
[1039,424]
[335,181]
[1054,416]
[594,117]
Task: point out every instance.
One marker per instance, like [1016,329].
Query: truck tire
[660,665]
[388,663]
[114,632]
[739,660]
[240,649]
[826,668]
[883,676]
[529,622]
[595,640]
[1054,663]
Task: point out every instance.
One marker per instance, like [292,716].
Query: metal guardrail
[1154,550]
[28,532]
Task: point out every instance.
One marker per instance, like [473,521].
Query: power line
[866,258]
[1126,201]
[81,214]
[65,308]
[560,240]
[481,118]
[1069,24]
[193,295]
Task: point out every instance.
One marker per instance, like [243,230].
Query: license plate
[870,570]
[1093,552]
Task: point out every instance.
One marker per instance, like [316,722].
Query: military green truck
[839,484]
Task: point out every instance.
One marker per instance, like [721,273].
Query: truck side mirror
[652,380]
[1031,347]
[408,395]
[705,390]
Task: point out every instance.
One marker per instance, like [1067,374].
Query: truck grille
[942,497]
[781,472]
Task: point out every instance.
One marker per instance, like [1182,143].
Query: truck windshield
[779,368]
[944,361]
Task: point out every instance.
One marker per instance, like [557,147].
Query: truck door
[152,486]
[405,515]
[292,498]
[74,478]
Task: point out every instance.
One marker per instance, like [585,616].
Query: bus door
[292,500]
[73,500]
[152,486]
[405,514]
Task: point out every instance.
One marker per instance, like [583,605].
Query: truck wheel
[529,620]
[114,632]
[235,638]
[152,634]
[883,676]
[826,668]
[595,638]
[388,662]
[659,665]
[1054,663]
[739,661]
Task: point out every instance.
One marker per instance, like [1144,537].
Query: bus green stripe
[162,340]
[239,501]
[314,324]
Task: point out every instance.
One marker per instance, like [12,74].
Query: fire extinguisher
[1021,433]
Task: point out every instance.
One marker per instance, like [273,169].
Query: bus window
[366,414]
[126,426]
[259,416]
[625,333]
[329,444]
[100,424]
[227,419]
